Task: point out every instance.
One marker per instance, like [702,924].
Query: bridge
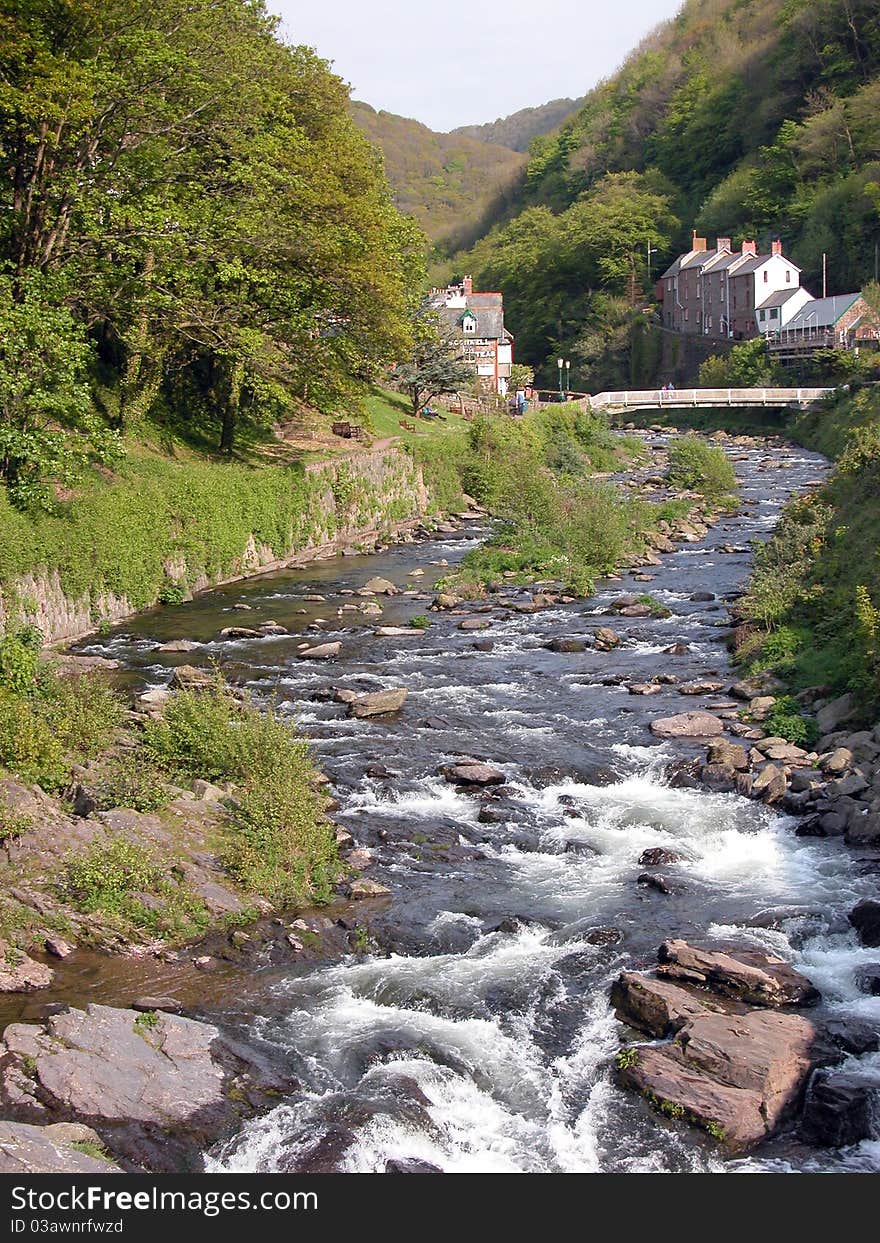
[689,398]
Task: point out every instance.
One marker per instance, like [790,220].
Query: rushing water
[482,1048]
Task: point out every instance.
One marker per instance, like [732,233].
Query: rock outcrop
[155,1087]
[733,1062]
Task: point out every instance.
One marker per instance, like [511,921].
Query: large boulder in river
[382,587]
[190,677]
[157,1088]
[323,651]
[688,725]
[654,1006]
[840,1107]
[736,1075]
[606,639]
[745,974]
[865,918]
[473,773]
[377,703]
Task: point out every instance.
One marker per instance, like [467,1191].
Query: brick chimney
[698,243]
[468,285]
[776,248]
[749,248]
[723,244]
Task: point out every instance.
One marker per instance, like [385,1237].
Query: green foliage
[748,365]
[420,622]
[624,1059]
[19,663]
[787,721]
[131,780]
[697,466]
[657,609]
[13,825]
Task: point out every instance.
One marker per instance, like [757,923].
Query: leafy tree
[433,367]
[748,365]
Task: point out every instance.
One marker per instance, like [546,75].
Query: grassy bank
[560,521]
[812,612]
[135,870]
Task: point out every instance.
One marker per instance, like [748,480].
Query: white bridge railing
[658,399]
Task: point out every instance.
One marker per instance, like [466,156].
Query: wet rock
[688,725]
[377,703]
[20,973]
[567,645]
[27,1149]
[378,772]
[636,610]
[606,639]
[410,1165]
[853,1035]
[644,688]
[474,623]
[381,587]
[720,778]
[398,632]
[240,632]
[323,651]
[750,688]
[656,857]
[57,947]
[867,979]
[178,645]
[745,974]
[648,881]
[603,937]
[473,773]
[865,918]
[700,597]
[840,1108]
[863,829]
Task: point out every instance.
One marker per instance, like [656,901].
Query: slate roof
[822,312]
[779,298]
[490,320]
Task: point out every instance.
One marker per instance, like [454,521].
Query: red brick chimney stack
[749,248]
[468,285]
[723,244]
[698,243]
[776,248]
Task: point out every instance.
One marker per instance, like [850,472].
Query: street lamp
[560,363]
[567,376]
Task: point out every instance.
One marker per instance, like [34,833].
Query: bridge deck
[659,399]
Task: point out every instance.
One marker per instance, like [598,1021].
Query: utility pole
[824,275]
[651,251]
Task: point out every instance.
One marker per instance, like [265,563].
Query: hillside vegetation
[453,185]
[746,118]
[518,130]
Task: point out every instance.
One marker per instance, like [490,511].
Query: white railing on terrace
[658,399]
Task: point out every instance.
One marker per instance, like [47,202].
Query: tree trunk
[231,408]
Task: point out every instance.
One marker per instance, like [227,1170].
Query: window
[469,324]
[788,276]
[766,276]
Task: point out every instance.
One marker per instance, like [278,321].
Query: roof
[475,300]
[757,261]
[822,312]
[490,320]
[779,298]
[698,258]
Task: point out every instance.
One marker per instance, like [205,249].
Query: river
[484,1048]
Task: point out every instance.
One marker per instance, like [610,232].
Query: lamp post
[560,363]
[567,377]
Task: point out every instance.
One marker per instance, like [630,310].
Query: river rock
[863,829]
[567,645]
[737,1075]
[474,623]
[377,703]
[189,678]
[687,725]
[837,762]
[720,778]
[240,632]
[473,773]
[27,1149]
[178,645]
[648,881]
[365,888]
[656,857]
[865,918]
[606,639]
[20,973]
[323,651]
[769,785]
[381,587]
[840,1108]
[397,632]
[653,1006]
[158,1089]
[745,974]
[730,754]
[867,979]
[835,713]
[410,1165]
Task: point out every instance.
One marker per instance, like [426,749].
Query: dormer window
[469,323]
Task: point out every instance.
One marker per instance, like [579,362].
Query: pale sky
[460,62]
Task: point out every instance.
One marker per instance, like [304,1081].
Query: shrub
[108,873]
[28,744]
[787,721]
[13,825]
[697,466]
[19,660]
[198,734]
[131,780]
[420,622]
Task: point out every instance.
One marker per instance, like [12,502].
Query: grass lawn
[386,409]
